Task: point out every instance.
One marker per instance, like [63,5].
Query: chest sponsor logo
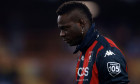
[82,58]
[90,58]
[83,71]
[109,53]
[113,68]
[90,54]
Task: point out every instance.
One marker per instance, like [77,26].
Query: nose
[62,33]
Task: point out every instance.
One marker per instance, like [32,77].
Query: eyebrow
[63,27]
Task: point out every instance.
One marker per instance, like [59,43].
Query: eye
[65,28]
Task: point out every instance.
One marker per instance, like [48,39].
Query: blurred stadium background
[31,51]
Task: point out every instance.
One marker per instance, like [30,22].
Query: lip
[66,40]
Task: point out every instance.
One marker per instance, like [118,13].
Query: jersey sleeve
[112,67]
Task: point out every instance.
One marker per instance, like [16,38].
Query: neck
[87,27]
[88,39]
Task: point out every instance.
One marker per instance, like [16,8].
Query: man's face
[70,30]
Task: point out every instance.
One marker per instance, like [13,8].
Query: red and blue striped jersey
[100,62]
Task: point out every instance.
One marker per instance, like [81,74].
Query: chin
[72,44]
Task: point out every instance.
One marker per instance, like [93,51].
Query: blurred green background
[31,51]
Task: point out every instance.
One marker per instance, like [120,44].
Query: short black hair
[72,5]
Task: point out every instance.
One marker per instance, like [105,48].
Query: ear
[82,22]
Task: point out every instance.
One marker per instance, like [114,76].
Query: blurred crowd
[31,51]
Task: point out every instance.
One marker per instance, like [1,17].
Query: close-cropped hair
[72,5]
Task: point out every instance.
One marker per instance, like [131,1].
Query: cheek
[75,31]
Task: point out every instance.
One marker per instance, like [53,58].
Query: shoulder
[111,63]
[108,47]
[110,54]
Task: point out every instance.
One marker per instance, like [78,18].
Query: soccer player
[101,61]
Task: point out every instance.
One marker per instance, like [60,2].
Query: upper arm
[111,66]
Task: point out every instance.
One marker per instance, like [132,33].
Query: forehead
[63,19]
[68,17]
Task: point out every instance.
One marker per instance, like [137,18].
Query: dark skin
[71,25]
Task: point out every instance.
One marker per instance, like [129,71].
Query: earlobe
[82,22]
[82,31]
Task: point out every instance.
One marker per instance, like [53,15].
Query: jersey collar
[90,37]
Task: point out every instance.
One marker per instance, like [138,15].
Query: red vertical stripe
[94,78]
[78,65]
[86,60]
[99,50]
[113,44]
